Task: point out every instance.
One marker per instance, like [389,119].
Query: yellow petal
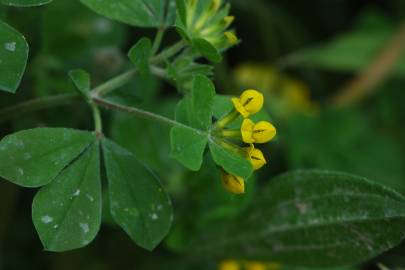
[239,107]
[256,157]
[252,101]
[232,183]
[263,132]
[246,131]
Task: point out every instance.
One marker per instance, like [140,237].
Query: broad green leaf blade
[139,55]
[187,146]
[203,94]
[231,160]
[207,49]
[67,212]
[141,13]
[34,157]
[315,219]
[81,80]
[138,201]
[25,3]
[13,57]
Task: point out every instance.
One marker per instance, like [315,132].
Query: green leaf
[81,80]
[13,56]
[34,157]
[203,94]
[25,3]
[207,49]
[230,158]
[141,13]
[67,212]
[181,10]
[314,219]
[139,55]
[138,201]
[188,146]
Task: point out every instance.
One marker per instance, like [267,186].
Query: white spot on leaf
[84,227]
[46,219]
[10,46]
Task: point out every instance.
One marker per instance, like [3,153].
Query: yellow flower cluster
[250,102]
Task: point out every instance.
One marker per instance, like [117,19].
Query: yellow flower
[229,265]
[250,102]
[232,183]
[260,132]
[255,266]
[256,157]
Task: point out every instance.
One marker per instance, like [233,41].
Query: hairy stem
[140,113]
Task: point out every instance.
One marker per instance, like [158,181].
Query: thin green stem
[98,124]
[158,40]
[114,83]
[169,52]
[36,105]
[142,114]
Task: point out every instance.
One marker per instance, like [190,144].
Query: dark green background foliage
[296,211]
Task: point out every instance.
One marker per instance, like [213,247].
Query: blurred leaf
[140,54]
[344,140]
[81,79]
[313,219]
[138,201]
[13,57]
[139,13]
[207,50]
[67,212]
[338,54]
[25,3]
[34,157]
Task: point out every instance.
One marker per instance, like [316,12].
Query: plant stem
[114,83]
[158,40]
[36,105]
[98,124]
[142,113]
[169,52]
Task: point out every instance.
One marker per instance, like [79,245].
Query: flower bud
[231,38]
[260,132]
[232,183]
[250,102]
[256,157]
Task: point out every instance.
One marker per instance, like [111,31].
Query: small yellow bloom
[255,266]
[250,102]
[232,183]
[260,132]
[256,157]
[229,265]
